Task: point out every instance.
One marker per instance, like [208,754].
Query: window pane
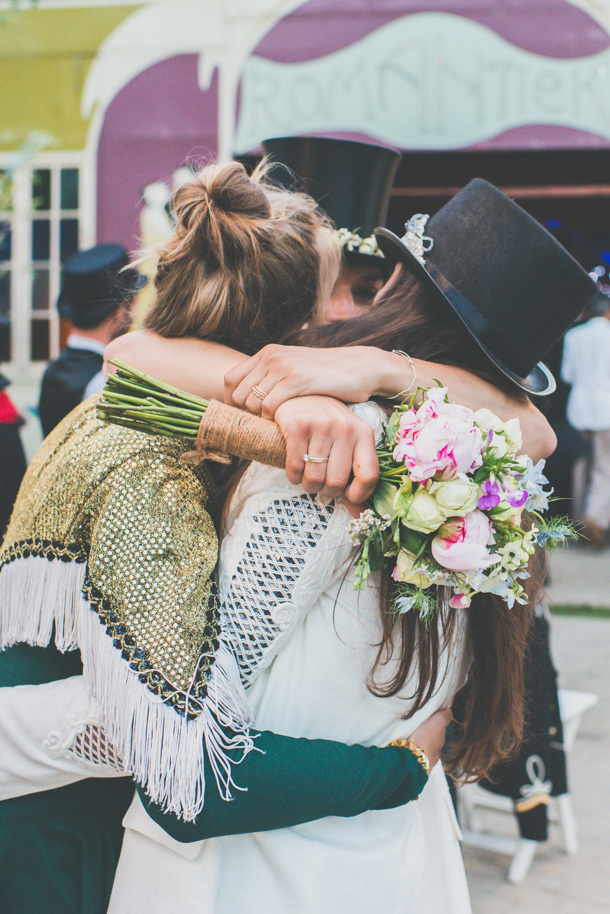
[40,290]
[69,188]
[68,237]
[40,339]
[5,240]
[41,239]
[41,189]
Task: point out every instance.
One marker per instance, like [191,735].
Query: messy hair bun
[247,262]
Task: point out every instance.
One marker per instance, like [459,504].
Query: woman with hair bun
[114,662]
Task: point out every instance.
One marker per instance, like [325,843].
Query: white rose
[486,420]
[407,574]
[456,496]
[424,513]
[512,431]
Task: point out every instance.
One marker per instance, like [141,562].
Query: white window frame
[21,218]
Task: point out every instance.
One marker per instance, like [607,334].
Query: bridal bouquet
[448,509]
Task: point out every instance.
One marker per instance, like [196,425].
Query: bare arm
[192,365]
[356,373]
[351,374]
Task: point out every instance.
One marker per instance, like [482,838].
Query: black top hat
[513,286]
[94,284]
[351,181]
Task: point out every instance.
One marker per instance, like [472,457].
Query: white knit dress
[305,641]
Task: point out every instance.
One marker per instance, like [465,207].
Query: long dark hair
[491,726]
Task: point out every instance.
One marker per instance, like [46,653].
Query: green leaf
[383,499]
[411,540]
[391,429]
[377,560]
[482,474]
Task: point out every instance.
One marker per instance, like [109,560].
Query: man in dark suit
[96,296]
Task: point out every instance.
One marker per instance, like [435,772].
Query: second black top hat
[512,285]
[350,180]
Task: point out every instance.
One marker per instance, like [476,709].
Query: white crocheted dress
[305,643]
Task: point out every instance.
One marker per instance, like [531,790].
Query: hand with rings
[277,373]
[329,449]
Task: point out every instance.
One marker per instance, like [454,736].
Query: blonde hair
[247,263]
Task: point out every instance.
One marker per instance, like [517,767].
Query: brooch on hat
[414,238]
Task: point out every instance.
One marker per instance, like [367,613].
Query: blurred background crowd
[109,106]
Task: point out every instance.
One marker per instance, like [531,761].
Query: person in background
[586,366]
[12,457]
[351,181]
[96,294]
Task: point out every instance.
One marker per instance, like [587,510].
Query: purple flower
[490,435]
[516,498]
[491,497]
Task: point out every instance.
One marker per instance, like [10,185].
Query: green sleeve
[291,781]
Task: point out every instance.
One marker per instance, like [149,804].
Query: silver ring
[259,392]
[309,459]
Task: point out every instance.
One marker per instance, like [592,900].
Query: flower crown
[356,244]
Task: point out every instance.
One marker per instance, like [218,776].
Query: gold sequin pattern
[125,502]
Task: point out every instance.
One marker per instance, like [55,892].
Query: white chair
[472,799]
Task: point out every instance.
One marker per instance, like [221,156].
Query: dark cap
[94,284]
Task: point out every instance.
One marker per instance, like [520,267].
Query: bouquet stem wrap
[225,430]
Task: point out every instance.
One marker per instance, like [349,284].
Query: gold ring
[259,392]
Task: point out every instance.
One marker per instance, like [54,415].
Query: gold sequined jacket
[111,549]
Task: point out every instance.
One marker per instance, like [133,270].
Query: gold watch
[419,753]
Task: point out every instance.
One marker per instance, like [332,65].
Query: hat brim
[539,382]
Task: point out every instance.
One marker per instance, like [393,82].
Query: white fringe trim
[36,594]
[161,749]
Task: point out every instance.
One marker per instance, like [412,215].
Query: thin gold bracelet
[417,751]
[406,356]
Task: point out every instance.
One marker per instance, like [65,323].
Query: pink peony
[461,544]
[438,439]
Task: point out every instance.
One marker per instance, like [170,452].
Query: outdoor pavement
[557,883]
[581,575]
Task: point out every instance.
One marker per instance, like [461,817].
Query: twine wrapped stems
[142,403]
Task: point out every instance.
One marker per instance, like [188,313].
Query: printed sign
[426,81]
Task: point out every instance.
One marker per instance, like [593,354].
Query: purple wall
[159,120]
[554,28]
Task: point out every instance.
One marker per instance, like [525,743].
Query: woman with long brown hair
[318,659]
[112,527]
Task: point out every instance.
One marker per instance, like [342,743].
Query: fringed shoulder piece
[111,547]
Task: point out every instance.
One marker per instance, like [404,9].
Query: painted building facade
[103,98]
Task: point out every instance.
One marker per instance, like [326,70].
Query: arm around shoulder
[196,366]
